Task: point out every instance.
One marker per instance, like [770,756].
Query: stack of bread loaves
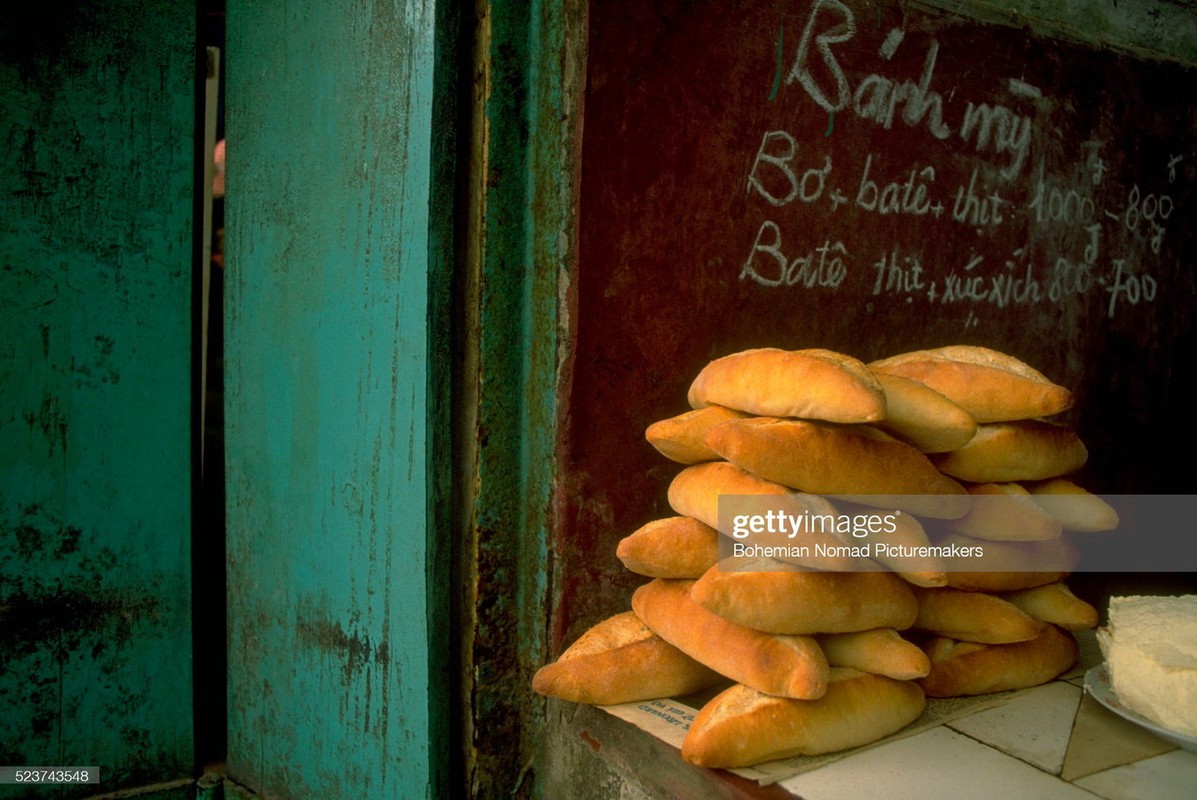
[812,646]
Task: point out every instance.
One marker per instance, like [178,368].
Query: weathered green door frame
[339,258]
[524,135]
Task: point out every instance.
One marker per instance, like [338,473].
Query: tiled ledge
[1052,742]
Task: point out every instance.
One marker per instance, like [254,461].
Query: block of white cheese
[1150,647]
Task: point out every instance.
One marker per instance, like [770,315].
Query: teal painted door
[336,628]
[96,220]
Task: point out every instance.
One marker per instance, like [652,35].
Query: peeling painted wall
[331,606]
[95,357]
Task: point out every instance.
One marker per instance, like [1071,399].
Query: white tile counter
[1049,742]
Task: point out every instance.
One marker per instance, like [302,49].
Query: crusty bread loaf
[813,384]
[740,727]
[1055,603]
[881,651]
[680,438]
[972,616]
[969,668]
[1009,566]
[1005,512]
[990,385]
[673,547]
[916,413]
[840,460]
[1028,450]
[999,581]
[907,532]
[805,601]
[1075,508]
[695,492]
[786,666]
[620,660]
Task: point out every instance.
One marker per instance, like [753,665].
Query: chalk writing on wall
[1039,231]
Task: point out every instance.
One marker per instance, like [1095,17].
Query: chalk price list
[1072,245]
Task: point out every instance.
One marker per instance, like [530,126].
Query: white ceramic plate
[1097,683]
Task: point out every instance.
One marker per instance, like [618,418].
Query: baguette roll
[695,492]
[1010,566]
[620,660]
[680,438]
[1055,603]
[907,532]
[741,726]
[803,601]
[1073,507]
[1001,581]
[786,666]
[916,413]
[1005,452]
[968,668]
[857,461]
[673,547]
[990,385]
[972,616]
[880,651]
[813,384]
[1005,512]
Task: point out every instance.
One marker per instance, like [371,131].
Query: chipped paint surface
[95,332]
[327,335]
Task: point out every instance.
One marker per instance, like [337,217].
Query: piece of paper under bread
[968,668]
[786,666]
[1027,450]
[797,601]
[741,726]
[972,616]
[811,384]
[840,460]
[672,547]
[992,386]
[619,660]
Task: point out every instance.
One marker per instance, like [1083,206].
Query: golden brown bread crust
[695,491]
[805,601]
[620,660]
[1001,581]
[1011,565]
[839,460]
[1074,508]
[1028,450]
[966,668]
[972,616]
[786,666]
[680,438]
[916,413]
[1055,603]
[880,651]
[813,384]
[990,385]
[1005,512]
[908,532]
[741,727]
[673,547]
